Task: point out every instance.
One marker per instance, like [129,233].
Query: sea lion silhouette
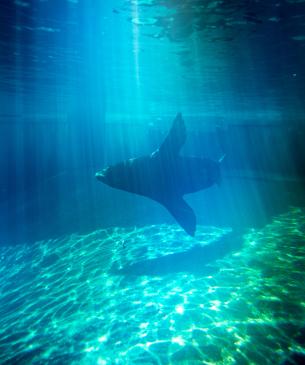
[165,176]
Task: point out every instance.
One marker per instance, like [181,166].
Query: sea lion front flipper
[175,139]
[183,214]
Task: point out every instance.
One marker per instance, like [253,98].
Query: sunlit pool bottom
[153,295]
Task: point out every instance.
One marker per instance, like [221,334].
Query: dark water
[93,275]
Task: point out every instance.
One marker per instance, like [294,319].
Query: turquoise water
[152,295]
[95,275]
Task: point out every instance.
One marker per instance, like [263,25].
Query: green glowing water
[153,295]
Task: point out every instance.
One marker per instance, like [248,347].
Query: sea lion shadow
[196,260]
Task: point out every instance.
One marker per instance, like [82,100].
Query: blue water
[95,275]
